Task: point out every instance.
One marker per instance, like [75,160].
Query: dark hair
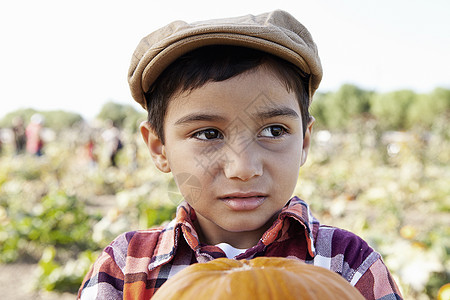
[219,63]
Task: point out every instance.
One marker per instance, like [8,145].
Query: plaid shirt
[137,263]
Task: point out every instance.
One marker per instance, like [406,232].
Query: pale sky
[74,55]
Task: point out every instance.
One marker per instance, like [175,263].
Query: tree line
[397,110]
[123,116]
[336,110]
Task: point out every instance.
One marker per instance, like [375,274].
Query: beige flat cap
[276,32]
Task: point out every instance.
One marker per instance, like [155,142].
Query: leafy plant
[63,277]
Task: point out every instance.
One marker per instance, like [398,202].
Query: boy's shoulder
[334,241]
[331,247]
[129,253]
[343,252]
[146,236]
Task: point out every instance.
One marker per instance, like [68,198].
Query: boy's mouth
[243,201]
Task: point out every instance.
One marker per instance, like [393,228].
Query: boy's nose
[243,164]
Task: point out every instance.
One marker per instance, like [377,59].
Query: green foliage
[318,109]
[355,182]
[123,116]
[391,109]
[59,211]
[152,216]
[427,108]
[335,109]
[58,220]
[59,119]
[25,114]
[52,209]
[63,277]
[398,110]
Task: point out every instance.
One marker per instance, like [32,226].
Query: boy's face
[240,144]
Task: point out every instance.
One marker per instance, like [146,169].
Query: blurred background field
[379,166]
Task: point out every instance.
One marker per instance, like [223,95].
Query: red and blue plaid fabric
[137,263]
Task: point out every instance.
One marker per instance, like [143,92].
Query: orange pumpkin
[260,278]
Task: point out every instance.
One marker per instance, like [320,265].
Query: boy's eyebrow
[199,117]
[261,114]
[276,112]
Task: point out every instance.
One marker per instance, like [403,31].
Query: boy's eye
[273,131]
[208,134]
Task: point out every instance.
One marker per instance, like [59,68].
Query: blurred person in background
[20,139]
[33,132]
[111,136]
[90,152]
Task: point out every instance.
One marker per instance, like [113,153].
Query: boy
[227,105]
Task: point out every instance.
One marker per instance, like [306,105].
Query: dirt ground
[16,284]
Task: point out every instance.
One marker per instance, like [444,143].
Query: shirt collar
[170,236]
[295,210]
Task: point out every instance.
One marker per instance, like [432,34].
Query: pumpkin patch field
[58,210]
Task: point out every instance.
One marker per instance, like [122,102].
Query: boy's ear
[156,147]
[307,140]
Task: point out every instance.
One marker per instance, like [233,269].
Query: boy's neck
[241,240]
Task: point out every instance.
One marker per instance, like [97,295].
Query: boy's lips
[243,201]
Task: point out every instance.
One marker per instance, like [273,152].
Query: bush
[63,277]
[427,108]
[338,109]
[57,220]
[391,109]
[123,116]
